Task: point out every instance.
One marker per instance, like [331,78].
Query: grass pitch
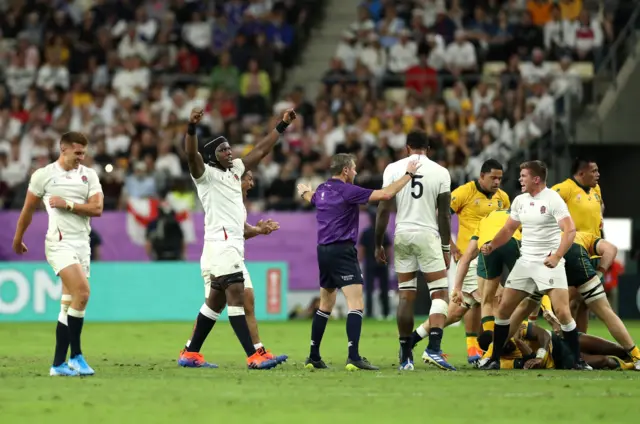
[138,381]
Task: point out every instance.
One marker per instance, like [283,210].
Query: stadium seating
[128,77]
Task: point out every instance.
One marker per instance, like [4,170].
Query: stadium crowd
[127,73]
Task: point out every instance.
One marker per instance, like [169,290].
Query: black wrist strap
[281,127]
[409,174]
[191,128]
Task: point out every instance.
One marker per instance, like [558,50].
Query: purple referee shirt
[337,211]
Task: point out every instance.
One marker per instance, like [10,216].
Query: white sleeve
[239,165]
[387,177]
[36,184]
[445,184]
[558,207]
[204,178]
[515,209]
[94,183]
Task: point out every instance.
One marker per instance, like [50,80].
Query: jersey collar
[483,191]
[585,188]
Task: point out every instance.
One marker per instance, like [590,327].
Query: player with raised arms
[220,192]
[421,243]
[547,234]
[72,195]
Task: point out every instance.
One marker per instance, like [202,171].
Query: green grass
[138,381]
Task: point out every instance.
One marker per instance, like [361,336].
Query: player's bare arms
[264,146]
[93,208]
[261,228]
[194,158]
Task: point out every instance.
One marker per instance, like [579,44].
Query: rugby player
[250,231]
[547,234]
[588,282]
[583,197]
[472,202]
[337,214]
[421,243]
[552,352]
[72,195]
[220,192]
[489,267]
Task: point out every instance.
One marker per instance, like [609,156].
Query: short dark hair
[341,161]
[536,167]
[73,137]
[489,165]
[579,164]
[417,140]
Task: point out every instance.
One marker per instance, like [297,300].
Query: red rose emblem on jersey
[85,179]
[236,177]
[542,209]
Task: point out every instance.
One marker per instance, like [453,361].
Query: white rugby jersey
[417,201]
[77,186]
[220,193]
[539,216]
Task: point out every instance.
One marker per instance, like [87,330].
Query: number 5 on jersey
[416,187]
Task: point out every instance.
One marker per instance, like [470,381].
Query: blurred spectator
[527,36]
[403,54]
[255,90]
[372,270]
[164,238]
[421,77]
[585,37]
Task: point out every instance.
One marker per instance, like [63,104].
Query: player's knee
[82,296]
[592,290]
[563,313]
[439,307]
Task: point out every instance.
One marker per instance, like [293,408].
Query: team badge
[596,197]
[532,204]
[542,209]
[236,177]
[500,204]
[84,179]
[477,202]
[578,198]
[551,281]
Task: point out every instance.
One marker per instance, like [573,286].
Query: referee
[337,214]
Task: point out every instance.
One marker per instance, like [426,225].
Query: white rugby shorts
[532,277]
[63,253]
[470,285]
[420,250]
[222,258]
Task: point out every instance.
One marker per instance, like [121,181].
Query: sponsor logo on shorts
[236,266]
[347,277]
[543,209]
[551,281]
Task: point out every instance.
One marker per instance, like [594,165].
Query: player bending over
[421,243]
[72,194]
[220,192]
[588,282]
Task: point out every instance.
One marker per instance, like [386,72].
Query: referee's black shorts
[338,264]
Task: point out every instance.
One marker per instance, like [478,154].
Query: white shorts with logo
[534,277]
[63,253]
[223,258]
[470,293]
[418,251]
